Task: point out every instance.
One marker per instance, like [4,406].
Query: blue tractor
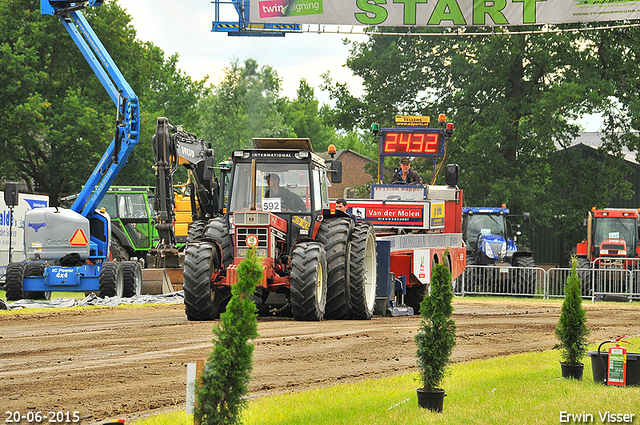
[491,241]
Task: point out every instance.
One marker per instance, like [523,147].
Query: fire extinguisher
[617,365]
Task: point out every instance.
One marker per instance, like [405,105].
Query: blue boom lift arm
[127,131]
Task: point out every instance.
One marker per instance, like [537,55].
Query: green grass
[54,295]
[518,389]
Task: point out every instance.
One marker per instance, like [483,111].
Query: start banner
[439,13]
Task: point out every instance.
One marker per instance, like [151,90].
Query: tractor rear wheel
[116,250]
[308,281]
[334,235]
[196,230]
[110,281]
[131,278]
[216,231]
[362,267]
[201,301]
[14,281]
[37,269]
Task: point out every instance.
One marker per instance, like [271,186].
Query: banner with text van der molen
[425,13]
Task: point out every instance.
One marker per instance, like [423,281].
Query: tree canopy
[514,100]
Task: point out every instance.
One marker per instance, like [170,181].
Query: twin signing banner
[438,13]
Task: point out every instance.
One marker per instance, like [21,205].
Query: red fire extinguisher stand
[617,365]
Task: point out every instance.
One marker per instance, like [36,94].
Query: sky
[184,27]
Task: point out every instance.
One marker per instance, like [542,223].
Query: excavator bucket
[161,281]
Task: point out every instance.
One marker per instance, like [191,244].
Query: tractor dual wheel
[110,282]
[201,301]
[334,235]
[362,270]
[308,281]
[131,278]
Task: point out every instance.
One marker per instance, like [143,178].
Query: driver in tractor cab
[289,200]
[406,175]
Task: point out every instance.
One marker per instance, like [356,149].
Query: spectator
[406,175]
[341,205]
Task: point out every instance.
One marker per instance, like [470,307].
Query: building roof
[595,139]
[326,155]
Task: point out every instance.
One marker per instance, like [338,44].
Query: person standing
[406,175]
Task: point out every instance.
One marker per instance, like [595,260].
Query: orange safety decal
[78,239]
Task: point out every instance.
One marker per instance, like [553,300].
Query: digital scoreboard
[418,142]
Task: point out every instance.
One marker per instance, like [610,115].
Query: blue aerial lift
[243,26]
[68,249]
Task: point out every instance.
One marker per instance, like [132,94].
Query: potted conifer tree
[435,339]
[572,330]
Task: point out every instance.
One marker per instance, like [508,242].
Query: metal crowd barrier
[605,280]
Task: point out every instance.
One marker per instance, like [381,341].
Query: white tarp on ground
[93,299]
[440,13]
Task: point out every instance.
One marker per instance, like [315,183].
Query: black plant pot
[432,400]
[572,370]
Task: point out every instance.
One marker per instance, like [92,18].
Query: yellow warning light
[442,118]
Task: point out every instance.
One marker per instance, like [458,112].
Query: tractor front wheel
[308,281]
[201,301]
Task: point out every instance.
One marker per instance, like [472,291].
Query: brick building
[353,172]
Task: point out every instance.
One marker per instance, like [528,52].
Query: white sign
[422,265]
[26,202]
[439,13]
[272,204]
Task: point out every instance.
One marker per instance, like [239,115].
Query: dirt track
[115,362]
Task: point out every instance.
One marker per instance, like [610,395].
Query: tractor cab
[282,177]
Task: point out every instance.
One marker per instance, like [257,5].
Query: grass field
[518,389]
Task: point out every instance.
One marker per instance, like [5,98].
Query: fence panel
[501,280]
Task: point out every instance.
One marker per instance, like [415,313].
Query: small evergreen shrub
[221,391]
[436,335]
[572,330]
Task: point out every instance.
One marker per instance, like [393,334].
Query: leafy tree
[513,99]
[436,335]
[572,330]
[220,395]
[241,107]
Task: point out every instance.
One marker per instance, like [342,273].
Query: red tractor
[318,263]
[611,246]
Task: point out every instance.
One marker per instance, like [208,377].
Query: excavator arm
[172,146]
